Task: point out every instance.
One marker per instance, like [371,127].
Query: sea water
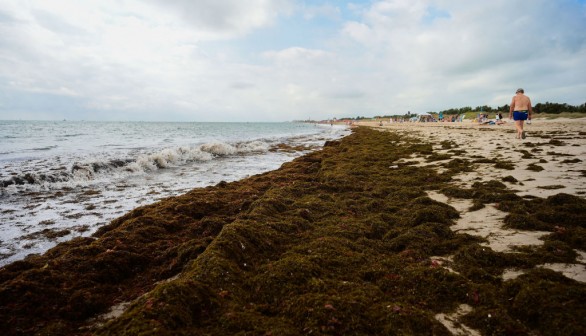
[65,179]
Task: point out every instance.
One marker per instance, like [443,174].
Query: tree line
[549,108]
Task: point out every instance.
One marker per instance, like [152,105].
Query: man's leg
[519,126]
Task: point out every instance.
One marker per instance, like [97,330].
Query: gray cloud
[242,85]
[231,17]
[346,94]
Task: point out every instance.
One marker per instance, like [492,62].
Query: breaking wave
[90,169]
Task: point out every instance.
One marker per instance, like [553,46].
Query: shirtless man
[520,111]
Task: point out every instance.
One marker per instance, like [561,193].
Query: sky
[283,60]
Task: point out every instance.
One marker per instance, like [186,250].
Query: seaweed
[438,157]
[485,160]
[339,241]
[541,300]
[526,154]
[552,187]
[571,161]
[556,142]
[535,167]
[563,215]
[510,179]
[504,165]
[446,144]
[458,165]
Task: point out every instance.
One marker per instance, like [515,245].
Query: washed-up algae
[337,242]
[78,279]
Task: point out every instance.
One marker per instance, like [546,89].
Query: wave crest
[83,171]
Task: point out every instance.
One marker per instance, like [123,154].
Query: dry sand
[561,153]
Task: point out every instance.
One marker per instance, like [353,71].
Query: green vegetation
[547,109]
[542,110]
[556,108]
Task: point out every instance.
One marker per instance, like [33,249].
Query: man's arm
[512,108]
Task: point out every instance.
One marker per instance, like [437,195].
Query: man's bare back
[521,102]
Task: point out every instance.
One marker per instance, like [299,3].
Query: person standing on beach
[520,111]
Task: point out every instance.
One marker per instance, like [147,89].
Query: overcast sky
[281,60]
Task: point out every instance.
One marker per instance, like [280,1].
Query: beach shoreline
[70,178]
[406,229]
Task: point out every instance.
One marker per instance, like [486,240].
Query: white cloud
[325,10]
[225,18]
[297,55]
[128,56]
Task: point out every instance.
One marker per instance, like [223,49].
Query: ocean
[65,179]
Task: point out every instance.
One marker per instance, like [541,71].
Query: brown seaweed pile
[337,242]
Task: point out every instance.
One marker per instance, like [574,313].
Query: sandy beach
[498,141]
[400,229]
[563,170]
[549,161]
[557,166]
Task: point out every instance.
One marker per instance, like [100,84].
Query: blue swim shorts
[519,115]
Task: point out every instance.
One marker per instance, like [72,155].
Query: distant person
[520,111]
